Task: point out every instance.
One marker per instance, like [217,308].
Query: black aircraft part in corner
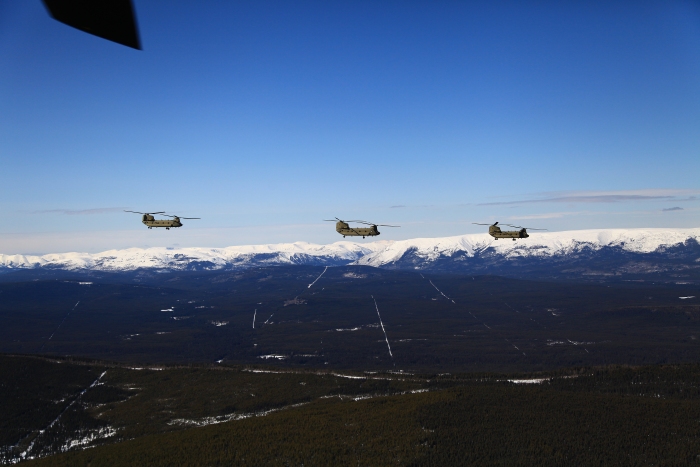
[113,20]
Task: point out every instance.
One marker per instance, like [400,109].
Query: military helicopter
[151,221]
[497,233]
[344,229]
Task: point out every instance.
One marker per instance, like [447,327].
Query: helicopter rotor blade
[521,227]
[137,212]
[373,224]
[478,223]
[179,217]
[359,221]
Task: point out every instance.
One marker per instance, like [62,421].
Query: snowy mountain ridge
[539,245]
[422,251]
[184,258]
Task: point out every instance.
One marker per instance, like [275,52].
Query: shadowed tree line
[582,416]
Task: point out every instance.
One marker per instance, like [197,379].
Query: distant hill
[611,253]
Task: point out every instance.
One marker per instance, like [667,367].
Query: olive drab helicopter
[344,229]
[151,221]
[496,232]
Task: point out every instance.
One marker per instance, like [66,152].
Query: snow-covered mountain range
[605,251]
[540,245]
[234,257]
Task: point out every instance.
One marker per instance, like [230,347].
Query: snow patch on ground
[230,417]
[529,381]
[352,275]
[89,437]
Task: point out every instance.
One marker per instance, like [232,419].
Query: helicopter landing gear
[168,228]
[513,239]
[363,236]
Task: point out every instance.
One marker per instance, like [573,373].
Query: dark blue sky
[265,117]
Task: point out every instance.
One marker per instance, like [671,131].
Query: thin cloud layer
[603,197]
[548,215]
[582,199]
[79,212]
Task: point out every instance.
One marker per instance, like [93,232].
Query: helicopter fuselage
[151,222]
[497,233]
[346,231]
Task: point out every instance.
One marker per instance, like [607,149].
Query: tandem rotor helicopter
[497,233]
[151,221]
[344,229]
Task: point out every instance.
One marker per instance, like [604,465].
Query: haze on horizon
[263,118]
